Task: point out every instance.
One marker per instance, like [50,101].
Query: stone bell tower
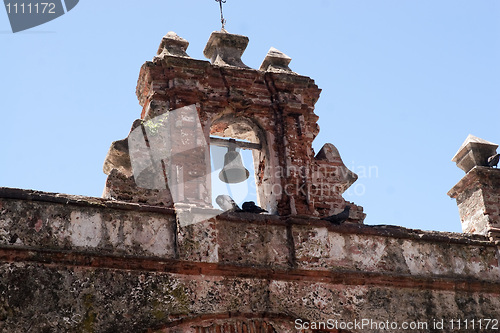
[271,107]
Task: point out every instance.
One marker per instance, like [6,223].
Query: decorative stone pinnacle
[173,45]
[474,152]
[276,61]
[225,49]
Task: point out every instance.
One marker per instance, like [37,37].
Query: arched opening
[254,154]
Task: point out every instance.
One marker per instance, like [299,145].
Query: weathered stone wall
[77,264]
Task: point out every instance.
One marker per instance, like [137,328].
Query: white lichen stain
[337,247]
[476,267]
[368,251]
[424,258]
[314,243]
[5,224]
[458,265]
[152,235]
[114,232]
[160,238]
[85,229]
[213,256]
[59,228]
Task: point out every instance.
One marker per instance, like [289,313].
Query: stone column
[478,192]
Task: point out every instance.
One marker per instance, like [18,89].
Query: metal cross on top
[222,20]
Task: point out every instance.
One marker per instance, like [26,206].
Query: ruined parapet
[272,107]
[478,192]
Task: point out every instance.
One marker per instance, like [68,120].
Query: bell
[233,171]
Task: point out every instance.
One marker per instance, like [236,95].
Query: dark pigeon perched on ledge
[340,217]
[251,207]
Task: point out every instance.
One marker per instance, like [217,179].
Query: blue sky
[404,82]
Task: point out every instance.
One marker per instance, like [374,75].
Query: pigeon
[340,217]
[251,207]
[226,203]
[493,160]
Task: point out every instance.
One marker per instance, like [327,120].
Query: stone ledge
[77,200]
[347,228]
[382,230]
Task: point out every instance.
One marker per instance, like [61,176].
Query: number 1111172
[37,8]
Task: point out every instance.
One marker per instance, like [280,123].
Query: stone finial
[225,49]
[173,45]
[276,61]
[474,152]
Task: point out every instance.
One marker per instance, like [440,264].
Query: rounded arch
[237,127]
[231,125]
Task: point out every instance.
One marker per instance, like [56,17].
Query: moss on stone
[88,322]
